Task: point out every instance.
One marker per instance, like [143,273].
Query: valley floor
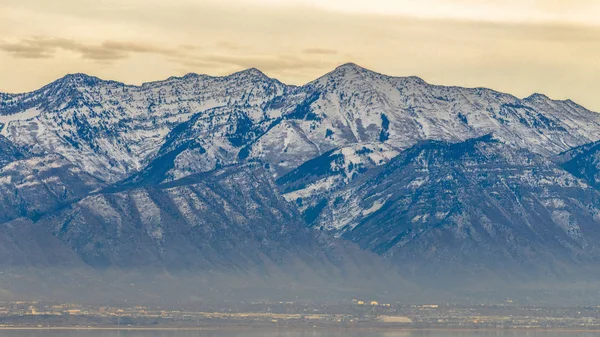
[292,316]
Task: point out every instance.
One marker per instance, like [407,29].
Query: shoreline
[263,328]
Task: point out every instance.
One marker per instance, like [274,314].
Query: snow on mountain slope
[353,105]
[112,129]
[470,211]
[312,183]
[33,186]
[19,116]
[230,221]
[158,175]
[209,140]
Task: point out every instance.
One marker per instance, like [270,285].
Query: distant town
[357,313]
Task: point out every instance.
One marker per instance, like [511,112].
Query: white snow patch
[27,184]
[374,208]
[323,184]
[20,116]
[6,180]
[422,218]
[24,115]
[417,182]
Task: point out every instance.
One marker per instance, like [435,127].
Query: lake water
[287,333]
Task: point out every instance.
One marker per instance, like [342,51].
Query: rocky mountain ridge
[114,130]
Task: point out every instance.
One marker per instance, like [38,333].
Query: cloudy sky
[516,46]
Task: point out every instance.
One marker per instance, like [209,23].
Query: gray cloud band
[106,51]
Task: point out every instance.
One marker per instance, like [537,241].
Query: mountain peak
[345,72]
[251,72]
[191,75]
[350,69]
[79,77]
[537,96]
[75,80]
[350,66]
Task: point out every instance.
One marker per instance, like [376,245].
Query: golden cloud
[320,51]
[42,47]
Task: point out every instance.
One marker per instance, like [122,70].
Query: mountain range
[355,183]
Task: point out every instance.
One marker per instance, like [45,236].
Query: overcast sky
[516,46]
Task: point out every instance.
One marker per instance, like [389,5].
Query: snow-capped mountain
[353,105]
[179,174]
[111,129]
[470,210]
